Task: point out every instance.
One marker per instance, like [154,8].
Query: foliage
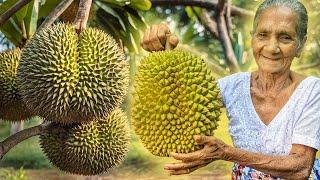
[122,20]
[26,154]
[11,174]
[119,18]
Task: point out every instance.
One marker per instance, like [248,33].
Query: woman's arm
[296,165]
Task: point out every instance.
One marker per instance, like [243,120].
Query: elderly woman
[274,113]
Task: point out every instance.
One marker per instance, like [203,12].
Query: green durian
[88,149]
[66,77]
[12,108]
[175,97]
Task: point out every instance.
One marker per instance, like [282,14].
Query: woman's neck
[272,82]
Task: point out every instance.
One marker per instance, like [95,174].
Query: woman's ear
[301,46]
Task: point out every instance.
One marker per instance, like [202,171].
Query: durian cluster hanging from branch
[75,78]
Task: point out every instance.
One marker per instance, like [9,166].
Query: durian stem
[15,139]
[82,17]
[6,15]
[62,6]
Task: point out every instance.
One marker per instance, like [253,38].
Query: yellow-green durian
[88,149]
[11,106]
[175,97]
[66,77]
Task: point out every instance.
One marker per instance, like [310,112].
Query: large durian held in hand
[11,106]
[88,149]
[66,77]
[175,97]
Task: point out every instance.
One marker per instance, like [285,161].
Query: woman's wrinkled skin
[275,44]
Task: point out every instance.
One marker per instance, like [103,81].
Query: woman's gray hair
[296,6]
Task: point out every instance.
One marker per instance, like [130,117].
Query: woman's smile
[271,58]
[275,40]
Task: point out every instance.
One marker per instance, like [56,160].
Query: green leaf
[10,28]
[110,11]
[11,32]
[47,6]
[132,34]
[135,17]
[21,14]
[238,47]
[7,5]
[109,23]
[141,4]
[189,12]
[31,18]
[189,34]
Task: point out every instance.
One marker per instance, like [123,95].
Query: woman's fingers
[186,165]
[188,169]
[158,38]
[172,42]
[154,39]
[145,40]
[203,140]
[163,32]
[189,156]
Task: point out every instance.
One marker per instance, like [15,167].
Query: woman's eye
[285,38]
[262,35]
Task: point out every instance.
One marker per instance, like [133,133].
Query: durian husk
[88,149]
[12,108]
[175,97]
[70,78]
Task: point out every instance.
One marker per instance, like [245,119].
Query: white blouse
[298,122]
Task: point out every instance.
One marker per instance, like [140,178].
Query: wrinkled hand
[214,149]
[158,38]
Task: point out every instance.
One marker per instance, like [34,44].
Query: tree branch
[15,139]
[61,7]
[207,22]
[82,17]
[6,15]
[210,24]
[228,18]
[207,4]
[225,39]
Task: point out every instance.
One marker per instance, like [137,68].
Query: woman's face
[275,39]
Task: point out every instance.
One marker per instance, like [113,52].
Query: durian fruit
[11,106]
[68,78]
[88,149]
[175,97]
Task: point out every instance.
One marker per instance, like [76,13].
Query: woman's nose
[273,46]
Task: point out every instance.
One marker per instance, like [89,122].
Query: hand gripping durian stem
[82,17]
[16,7]
[62,6]
[15,139]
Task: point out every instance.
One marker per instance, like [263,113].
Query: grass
[26,154]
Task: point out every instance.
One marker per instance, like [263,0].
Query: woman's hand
[214,149]
[158,38]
